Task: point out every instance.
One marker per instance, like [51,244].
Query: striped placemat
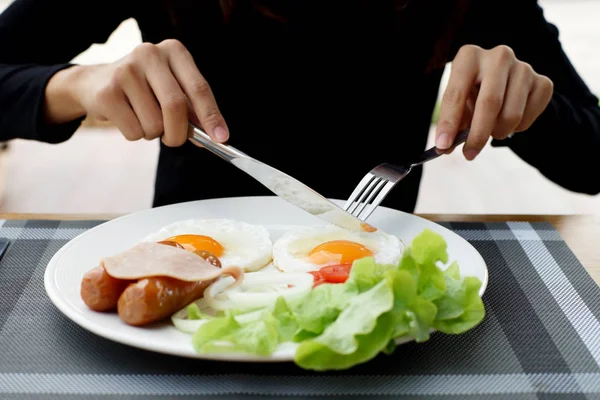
[540,338]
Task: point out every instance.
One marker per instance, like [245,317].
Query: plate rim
[79,319]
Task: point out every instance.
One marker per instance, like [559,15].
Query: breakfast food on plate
[151,281]
[234,243]
[100,290]
[338,298]
[312,248]
[337,326]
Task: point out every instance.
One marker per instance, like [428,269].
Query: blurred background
[98,171]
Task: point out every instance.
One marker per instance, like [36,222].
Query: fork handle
[224,151]
[434,152]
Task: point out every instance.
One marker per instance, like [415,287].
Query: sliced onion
[182,323]
[215,295]
[257,290]
[249,317]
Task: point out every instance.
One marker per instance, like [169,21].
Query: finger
[143,102]
[539,98]
[116,108]
[172,101]
[466,121]
[465,70]
[198,91]
[487,108]
[194,120]
[520,81]
[470,108]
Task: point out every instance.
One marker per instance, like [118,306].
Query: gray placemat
[540,338]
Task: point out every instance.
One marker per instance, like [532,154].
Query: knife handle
[224,151]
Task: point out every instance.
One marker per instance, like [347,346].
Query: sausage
[153,299]
[100,291]
[144,301]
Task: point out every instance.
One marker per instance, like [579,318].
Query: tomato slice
[319,280]
[338,273]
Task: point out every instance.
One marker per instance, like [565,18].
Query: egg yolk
[339,251]
[199,243]
[367,228]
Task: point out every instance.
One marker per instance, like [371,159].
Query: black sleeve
[37,39]
[564,143]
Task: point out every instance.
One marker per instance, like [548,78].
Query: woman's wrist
[61,98]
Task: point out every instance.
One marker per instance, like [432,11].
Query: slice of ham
[146,260]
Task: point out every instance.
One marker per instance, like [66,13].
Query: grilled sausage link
[100,291]
[145,301]
[153,299]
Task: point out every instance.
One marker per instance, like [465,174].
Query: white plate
[66,269]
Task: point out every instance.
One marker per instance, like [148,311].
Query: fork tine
[382,194]
[358,190]
[365,202]
[365,194]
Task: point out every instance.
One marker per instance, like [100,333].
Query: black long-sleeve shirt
[325,97]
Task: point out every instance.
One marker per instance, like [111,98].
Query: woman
[323,90]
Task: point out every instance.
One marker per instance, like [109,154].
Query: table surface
[580,232]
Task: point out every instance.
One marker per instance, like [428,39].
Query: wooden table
[580,232]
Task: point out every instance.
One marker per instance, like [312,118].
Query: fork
[376,184]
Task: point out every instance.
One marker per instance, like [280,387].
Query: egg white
[291,250]
[245,245]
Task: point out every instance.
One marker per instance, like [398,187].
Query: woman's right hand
[152,92]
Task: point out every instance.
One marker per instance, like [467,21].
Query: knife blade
[283,185]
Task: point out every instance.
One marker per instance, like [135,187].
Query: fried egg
[234,243]
[310,248]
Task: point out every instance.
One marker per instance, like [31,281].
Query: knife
[283,185]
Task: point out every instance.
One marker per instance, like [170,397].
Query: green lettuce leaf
[414,314]
[317,356]
[429,247]
[365,274]
[420,260]
[287,324]
[194,312]
[320,308]
[358,318]
[461,308]
[260,336]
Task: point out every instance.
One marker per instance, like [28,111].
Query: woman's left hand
[493,93]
